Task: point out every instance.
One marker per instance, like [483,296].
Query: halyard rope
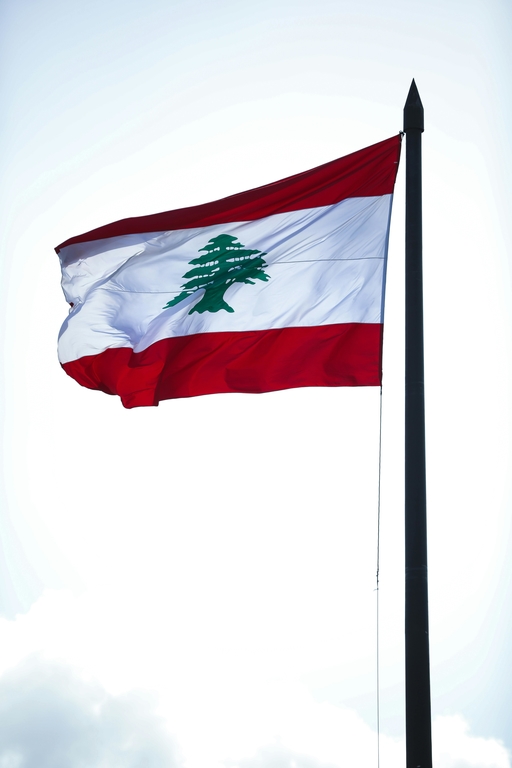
[377,580]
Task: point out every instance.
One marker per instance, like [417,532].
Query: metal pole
[417,665]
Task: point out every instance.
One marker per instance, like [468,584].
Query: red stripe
[257,361]
[367,173]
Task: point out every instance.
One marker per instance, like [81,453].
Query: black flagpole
[417,665]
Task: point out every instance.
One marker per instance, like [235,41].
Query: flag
[278,287]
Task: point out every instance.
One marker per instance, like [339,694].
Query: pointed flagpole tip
[413,110]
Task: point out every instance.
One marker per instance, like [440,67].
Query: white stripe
[326,265]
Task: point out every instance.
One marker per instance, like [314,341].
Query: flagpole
[417,665]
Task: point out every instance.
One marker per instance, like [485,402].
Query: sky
[193,585]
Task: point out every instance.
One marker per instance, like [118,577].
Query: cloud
[53,717]
[278,756]
[50,717]
[454,746]
[340,737]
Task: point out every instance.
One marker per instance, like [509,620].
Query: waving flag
[278,287]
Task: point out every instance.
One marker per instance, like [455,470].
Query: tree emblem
[224,262]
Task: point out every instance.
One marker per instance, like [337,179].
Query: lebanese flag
[278,287]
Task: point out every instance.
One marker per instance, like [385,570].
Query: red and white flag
[278,287]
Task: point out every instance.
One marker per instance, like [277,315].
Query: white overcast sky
[193,585]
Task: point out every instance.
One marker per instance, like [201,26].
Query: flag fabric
[278,287]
